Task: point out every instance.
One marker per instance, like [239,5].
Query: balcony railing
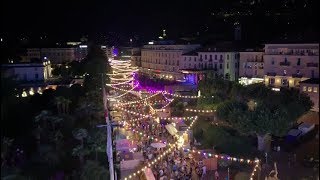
[297,75]
[294,53]
[284,63]
[312,64]
[271,74]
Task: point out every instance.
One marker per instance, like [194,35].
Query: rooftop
[311,81]
[192,53]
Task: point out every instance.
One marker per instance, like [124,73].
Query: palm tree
[97,142]
[62,105]
[80,152]
[43,118]
[67,103]
[80,134]
[58,137]
[59,101]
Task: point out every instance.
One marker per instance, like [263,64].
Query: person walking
[216,175]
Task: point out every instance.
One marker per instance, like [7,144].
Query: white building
[217,62]
[56,55]
[251,67]
[36,72]
[63,55]
[164,61]
[285,65]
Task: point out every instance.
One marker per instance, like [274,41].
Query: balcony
[271,74]
[312,64]
[294,53]
[284,63]
[297,75]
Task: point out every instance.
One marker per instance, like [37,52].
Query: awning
[171,129]
[124,144]
[149,174]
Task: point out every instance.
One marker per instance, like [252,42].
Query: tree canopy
[273,112]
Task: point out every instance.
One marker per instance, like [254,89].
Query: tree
[8,91]
[62,105]
[97,141]
[274,114]
[92,170]
[80,151]
[177,108]
[6,143]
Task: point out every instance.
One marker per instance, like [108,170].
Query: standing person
[216,175]
[204,171]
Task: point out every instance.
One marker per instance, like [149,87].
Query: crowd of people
[178,164]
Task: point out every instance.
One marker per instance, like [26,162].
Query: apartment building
[251,67]
[285,65]
[311,88]
[63,55]
[221,63]
[56,55]
[164,60]
[31,71]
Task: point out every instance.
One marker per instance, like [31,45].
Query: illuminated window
[315,89]
[309,89]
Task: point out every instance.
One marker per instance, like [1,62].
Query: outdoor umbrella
[158,145]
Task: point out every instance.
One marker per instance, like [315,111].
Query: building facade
[63,55]
[27,72]
[311,88]
[251,67]
[56,55]
[210,61]
[164,61]
[285,65]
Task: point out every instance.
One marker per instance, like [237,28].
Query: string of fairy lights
[200,110]
[123,77]
[178,144]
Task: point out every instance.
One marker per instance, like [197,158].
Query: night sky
[70,19]
[73,18]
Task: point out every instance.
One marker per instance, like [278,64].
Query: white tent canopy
[171,129]
[158,145]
